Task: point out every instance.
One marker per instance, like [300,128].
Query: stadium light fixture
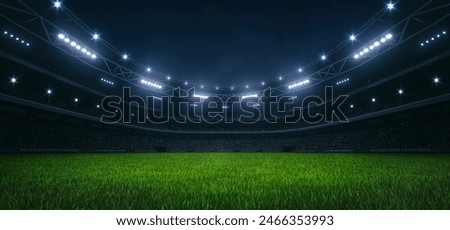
[352,37]
[390,6]
[263,83]
[374,100]
[280,78]
[57,4]
[16,38]
[249,96]
[370,47]
[343,81]
[246,86]
[323,57]
[186,83]
[148,70]
[125,57]
[168,77]
[428,41]
[151,84]
[232,88]
[49,92]
[298,84]
[13,80]
[436,80]
[76,100]
[201,87]
[201,96]
[401,92]
[217,87]
[300,70]
[352,106]
[107,81]
[65,38]
[96,36]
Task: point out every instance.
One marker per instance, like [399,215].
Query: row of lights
[151,84]
[12,36]
[298,84]
[433,38]
[343,81]
[371,47]
[77,46]
[107,81]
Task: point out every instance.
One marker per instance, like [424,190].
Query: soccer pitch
[225,181]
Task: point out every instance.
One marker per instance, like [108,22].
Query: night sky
[224,43]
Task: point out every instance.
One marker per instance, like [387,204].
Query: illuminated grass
[225,181]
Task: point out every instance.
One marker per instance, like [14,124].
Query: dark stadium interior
[408,83]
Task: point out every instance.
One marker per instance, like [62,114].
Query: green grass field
[225,181]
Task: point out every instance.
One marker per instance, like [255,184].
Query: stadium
[362,125]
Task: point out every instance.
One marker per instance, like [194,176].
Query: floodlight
[6,32]
[73,44]
[93,56]
[352,37]
[76,100]
[186,83]
[217,88]
[168,77]
[400,91]
[28,44]
[201,86]
[13,80]
[149,70]
[432,39]
[323,57]
[125,57]
[96,36]
[436,80]
[49,91]
[57,4]
[376,44]
[78,47]
[374,99]
[246,86]
[388,36]
[83,50]
[88,53]
[351,106]
[372,47]
[61,36]
[98,106]
[444,32]
[383,40]
[300,70]
[361,53]
[280,78]
[390,6]
[263,83]
[232,88]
